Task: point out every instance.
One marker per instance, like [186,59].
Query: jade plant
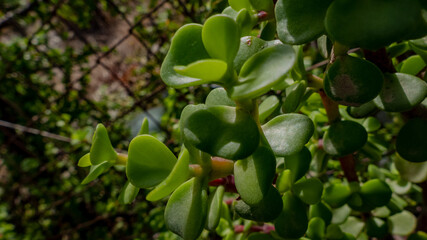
[315,127]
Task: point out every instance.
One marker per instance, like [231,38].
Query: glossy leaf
[287,134]
[308,190]
[371,124]
[284,181]
[218,96]
[84,161]
[267,107]
[208,70]
[411,142]
[254,175]
[186,47]
[316,229]
[401,92]
[402,223]
[362,110]
[262,5]
[372,25]
[149,161]
[240,4]
[374,193]
[336,195]
[294,95]
[415,172]
[249,45]
[298,163]
[221,37]
[300,21]
[101,149]
[185,211]
[214,208]
[262,71]
[292,221]
[336,141]
[412,65]
[222,131]
[321,210]
[352,81]
[340,214]
[265,211]
[128,193]
[144,127]
[179,174]
[96,170]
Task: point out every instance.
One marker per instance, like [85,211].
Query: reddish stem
[348,166]
[266,228]
[227,182]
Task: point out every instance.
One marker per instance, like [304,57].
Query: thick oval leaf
[249,45]
[411,142]
[214,208]
[412,171]
[254,175]
[352,81]
[222,131]
[179,174]
[376,227]
[262,71]
[308,190]
[401,92]
[321,210]
[287,134]
[208,70]
[284,181]
[240,4]
[267,107]
[336,141]
[340,215]
[300,21]
[96,170]
[402,223]
[336,195]
[353,226]
[371,124]
[128,193]
[298,163]
[101,149]
[218,96]
[149,161]
[186,47]
[185,211]
[265,211]
[292,221]
[372,24]
[412,65]
[375,193]
[294,95]
[363,110]
[221,37]
[316,229]
[84,161]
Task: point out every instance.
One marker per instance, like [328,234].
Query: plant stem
[348,166]
[122,159]
[314,81]
[221,167]
[331,107]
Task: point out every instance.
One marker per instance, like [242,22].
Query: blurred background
[65,66]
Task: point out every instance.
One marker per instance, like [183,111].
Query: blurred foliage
[53,55]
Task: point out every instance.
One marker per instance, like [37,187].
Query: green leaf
[185,211]
[208,70]
[254,175]
[292,221]
[84,161]
[412,65]
[179,174]
[239,4]
[316,229]
[402,223]
[221,37]
[352,81]
[284,181]
[376,227]
[214,208]
[411,142]
[294,95]
[101,149]
[415,172]
[144,127]
[336,195]
[418,236]
[186,47]
[401,92]
[336,141]
[249,45]
[308,190]
[298,163]
[222,131]
[149,161]
[288,133]
[262,71]
[263,5]
[353,226]
[371,124]
[268,31]
[363,110]
[96,170]
[373,193]
[300,21]
[245,21]
[267,107]
[128,193]
[219,96]
[339,215]
[372,25]
[264,211]
[321,210]
[260,236]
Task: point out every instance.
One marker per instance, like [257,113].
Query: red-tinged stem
[227,182]
[266,228]
[348,166]
[331,107]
